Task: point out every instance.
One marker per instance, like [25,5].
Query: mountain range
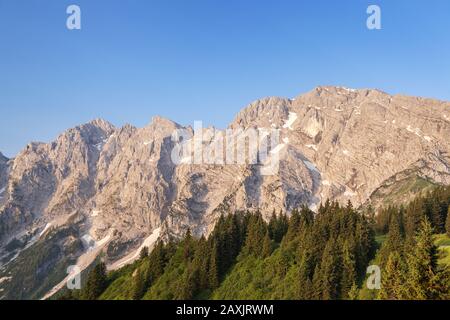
[99,190]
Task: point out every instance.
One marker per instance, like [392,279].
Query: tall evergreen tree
[305,274]
[96,282]
[424,279]
[392,282]
[213,274]
[395,238]
[144,253]
[139,285]
[266,246]
[349,275]
[330,272]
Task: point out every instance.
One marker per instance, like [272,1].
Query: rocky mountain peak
[102,124]
[267,112]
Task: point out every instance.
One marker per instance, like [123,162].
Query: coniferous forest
[300,256]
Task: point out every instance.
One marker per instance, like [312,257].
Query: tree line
[303,255]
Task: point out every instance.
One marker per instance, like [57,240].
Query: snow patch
[346,152]
[338,110]
[99,146]
[45,229]
[88,242]
[95,213]
[2,190]
[347,89]
[5,279]
[326,183]
[146,143]
[286,140]
[418,133]
[311,146]
[350,193]
[292,118]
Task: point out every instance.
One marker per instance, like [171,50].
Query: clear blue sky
[203,59]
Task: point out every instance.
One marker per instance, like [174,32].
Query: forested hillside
[303,256]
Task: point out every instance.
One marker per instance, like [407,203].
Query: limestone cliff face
[121,188]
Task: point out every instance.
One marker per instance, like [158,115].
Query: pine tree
[213,273]
[138,289]
[414,215]
[330,272]
[317,289]
[96,282]
[348,269]
[144,253]
[304,276]
[272,227]
[267,246]
[188,245]
[294,225]
[392,282]
[394,241]
[186,286]
[353,294]
[256,233]
[201,261]
[424,279]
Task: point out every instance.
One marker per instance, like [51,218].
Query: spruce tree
[294,225]
[266,247]
[424,279]
[213,272]
[317,289]
[138,289]
[144,253]
[305,274]
[393,280]
[96,282]
[353,294]
[188,245]
[330,272]
[349,275]
[394,241]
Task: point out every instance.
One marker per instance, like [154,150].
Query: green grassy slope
[443,243]
[400,189]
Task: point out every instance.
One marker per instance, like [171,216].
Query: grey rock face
[123,188]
